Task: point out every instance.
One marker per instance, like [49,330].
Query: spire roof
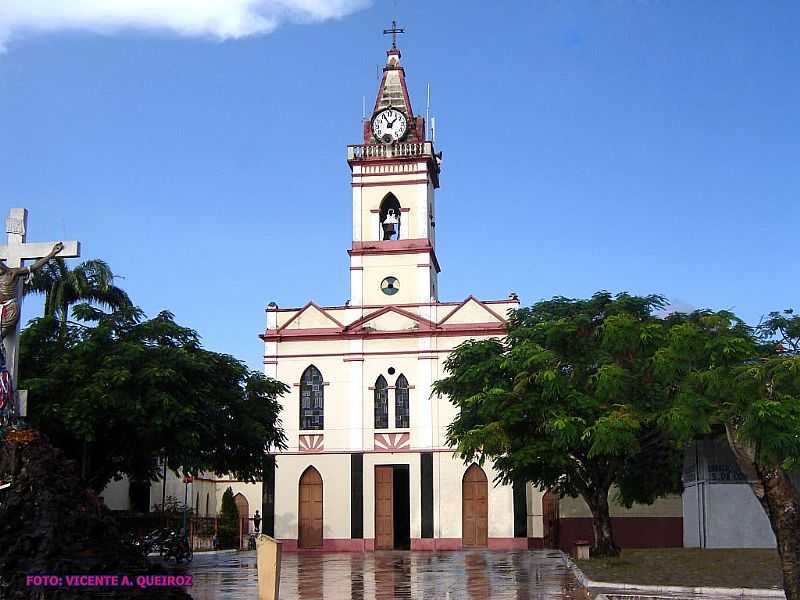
[393,91]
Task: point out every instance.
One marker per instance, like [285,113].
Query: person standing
[257,522]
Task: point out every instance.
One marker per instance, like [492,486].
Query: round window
[390,286]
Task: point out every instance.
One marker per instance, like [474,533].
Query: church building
[367,466]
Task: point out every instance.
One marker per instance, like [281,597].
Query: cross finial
[394,31]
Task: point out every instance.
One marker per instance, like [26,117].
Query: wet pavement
[465,575]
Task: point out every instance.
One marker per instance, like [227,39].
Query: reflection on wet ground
[388,575]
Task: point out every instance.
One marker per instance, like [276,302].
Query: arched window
[381,403]
[389,218]
[401,403]
[312,399]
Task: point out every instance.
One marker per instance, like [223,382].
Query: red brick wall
[629,532]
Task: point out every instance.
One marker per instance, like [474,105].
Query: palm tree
[90,282]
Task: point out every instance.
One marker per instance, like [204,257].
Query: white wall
[116,495]
[335,472]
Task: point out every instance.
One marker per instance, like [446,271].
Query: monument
[12,275]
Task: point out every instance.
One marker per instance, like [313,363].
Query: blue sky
[648,146]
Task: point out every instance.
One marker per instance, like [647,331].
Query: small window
[381,403]
[312,399]
[390,286]
[401,403]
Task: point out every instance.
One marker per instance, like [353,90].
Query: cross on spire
[394,31]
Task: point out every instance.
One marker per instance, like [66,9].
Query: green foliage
[569,400]
[118,391]
[173,506]
[724,373]
[228,521]
[89,283]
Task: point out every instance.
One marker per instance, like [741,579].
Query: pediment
[311,316]
[390,318]
[471,311]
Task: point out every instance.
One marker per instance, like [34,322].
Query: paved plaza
[388,575]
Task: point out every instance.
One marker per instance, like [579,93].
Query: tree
[568,401]
[90,282]
[121,391]
[728,375]
[228,521]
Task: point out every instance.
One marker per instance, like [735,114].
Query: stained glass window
[381,403]
[312,399]
[401,402]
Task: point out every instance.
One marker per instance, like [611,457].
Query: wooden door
[384,508]
[310,510]
[475,508]
[550,519]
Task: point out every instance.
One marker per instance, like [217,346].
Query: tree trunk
[781,501]
[601,524]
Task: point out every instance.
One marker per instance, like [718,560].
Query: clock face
[390,286]
[389,125]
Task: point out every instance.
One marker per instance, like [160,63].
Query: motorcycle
[167,543]
[178,548]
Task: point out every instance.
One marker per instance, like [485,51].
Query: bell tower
[395,173]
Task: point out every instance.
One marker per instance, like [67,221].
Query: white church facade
[367,466]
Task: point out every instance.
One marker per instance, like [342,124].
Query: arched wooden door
[243,506]
[474,508]
[309,518]
[550,519]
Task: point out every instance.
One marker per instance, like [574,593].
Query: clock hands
[387,129]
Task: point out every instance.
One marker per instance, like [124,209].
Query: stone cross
[15,253]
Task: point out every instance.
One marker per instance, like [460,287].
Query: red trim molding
[304,309]
[360,355]
[405,305]
[328,545]
[482,304]
[385,183]
[356,326]
[365,451]
[372,249]
[466,329]
[424,544]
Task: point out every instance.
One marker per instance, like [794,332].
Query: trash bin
[582,549]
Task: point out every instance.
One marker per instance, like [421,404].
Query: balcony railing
[375,151]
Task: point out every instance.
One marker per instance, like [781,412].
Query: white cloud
[220,19]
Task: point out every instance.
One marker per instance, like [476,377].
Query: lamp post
[187,479]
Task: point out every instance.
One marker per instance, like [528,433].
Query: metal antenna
[427,111]
[363,107]
[433,129]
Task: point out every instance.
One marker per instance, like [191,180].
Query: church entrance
[392,508]
[309,534]
[550,519]
[474,508]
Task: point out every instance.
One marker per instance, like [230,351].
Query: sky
[199,147]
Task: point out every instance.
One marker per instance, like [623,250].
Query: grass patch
[692,567]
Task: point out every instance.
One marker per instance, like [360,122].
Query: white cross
[15,253]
